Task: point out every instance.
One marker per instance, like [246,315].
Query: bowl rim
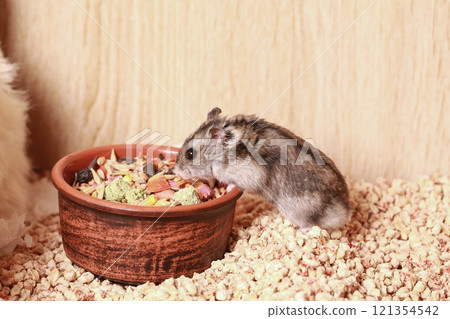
[66,190]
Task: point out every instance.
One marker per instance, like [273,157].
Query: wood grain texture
[3,24]
[377,102]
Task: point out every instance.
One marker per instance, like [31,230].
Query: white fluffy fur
[14,164]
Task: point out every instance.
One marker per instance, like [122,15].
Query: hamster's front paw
[230,187]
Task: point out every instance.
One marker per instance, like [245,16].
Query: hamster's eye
[190,154]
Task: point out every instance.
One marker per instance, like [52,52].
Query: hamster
[271,161]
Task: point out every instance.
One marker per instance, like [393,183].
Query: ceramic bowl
[135,244]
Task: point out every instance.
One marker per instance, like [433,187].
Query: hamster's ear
[217,133]
[223,136]
[214,113]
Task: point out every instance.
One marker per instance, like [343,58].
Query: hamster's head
[203,148]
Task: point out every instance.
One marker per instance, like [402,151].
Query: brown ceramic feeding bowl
[135,244]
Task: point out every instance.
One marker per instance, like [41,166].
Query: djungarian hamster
[269,160]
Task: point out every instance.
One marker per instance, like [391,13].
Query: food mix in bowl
[142,181]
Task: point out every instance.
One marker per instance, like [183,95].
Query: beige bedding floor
[395,248]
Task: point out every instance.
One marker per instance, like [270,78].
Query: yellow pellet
[149,201]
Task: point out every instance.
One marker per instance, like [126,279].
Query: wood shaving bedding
[396,247]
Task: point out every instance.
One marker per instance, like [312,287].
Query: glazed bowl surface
[134,244]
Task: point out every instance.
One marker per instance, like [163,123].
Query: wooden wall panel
[3,25]
[377,101]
